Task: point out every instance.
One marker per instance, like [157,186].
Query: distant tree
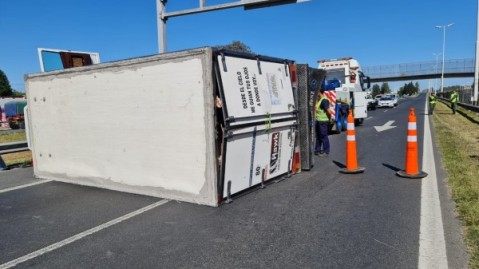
[385,88]
[5,88]
[416,85]
[18,94]
[236,46]
[409,89]
[376,90]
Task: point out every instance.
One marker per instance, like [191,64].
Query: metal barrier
[465,97]
[466,106]
[6,148]
[13,147]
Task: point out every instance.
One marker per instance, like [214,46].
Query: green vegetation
[409,89]
[458,139]
[5,88]
[12,137]
[383,89]
[18,158]
[236,46]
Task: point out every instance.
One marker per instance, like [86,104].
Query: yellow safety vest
[321,115]
[454,97]
[432,99]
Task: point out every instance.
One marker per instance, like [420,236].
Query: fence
[429,68]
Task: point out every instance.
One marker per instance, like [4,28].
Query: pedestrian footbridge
[421,70]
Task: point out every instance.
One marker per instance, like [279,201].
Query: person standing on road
[323,118]
[432,102]
[454,99]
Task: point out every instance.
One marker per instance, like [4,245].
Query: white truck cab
[347,87]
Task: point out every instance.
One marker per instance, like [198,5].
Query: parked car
[372,103]
[386,101]
[394,97]
[377,97]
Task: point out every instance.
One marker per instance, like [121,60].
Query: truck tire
[13,125]
[358,122]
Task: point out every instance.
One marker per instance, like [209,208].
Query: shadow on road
[340,165]
[394,168]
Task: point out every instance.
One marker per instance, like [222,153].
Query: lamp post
[476,68]
[443,27]
[435,70]
[247,4]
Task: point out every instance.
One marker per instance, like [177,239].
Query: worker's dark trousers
[322,140]
[454,108]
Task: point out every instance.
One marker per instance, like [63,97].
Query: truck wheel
[13,125]
[358,121]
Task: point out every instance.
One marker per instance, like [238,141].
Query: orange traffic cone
[412,168]
[351,159]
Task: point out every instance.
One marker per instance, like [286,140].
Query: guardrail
[466,106]
[13,147]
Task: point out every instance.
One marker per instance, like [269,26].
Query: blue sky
[374,32]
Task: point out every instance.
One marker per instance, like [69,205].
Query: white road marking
[80,235]
[24,186]
[385,127]
[432,245]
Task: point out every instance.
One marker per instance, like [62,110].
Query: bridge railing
[420,68]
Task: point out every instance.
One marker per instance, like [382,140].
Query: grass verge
[12,137]
[18,158]
[458,140]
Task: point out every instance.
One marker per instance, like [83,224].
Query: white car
[386,101]
[395,98]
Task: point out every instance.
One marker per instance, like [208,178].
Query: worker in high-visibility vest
[323,117]
[432,102]
[454,99]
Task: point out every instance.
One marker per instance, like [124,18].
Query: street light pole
[443,51]
[476,68]
[247,4]
[160,9]
[435,70]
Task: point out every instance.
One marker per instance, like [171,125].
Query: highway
[316,219]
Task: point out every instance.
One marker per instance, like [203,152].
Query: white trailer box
[149,125]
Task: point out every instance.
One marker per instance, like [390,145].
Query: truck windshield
[336,74]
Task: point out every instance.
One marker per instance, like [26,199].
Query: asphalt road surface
[316,219]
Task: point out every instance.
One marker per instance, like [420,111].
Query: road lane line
[80,235]
[25,186]
[432,245]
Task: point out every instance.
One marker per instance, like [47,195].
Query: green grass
[19,158]
[13,137]
[458,140]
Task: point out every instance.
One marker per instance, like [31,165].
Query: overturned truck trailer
[196,125]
